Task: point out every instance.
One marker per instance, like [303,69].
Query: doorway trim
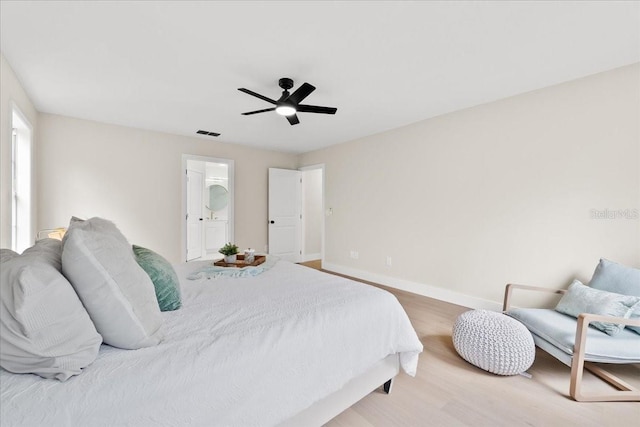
[183,223]
[320,166]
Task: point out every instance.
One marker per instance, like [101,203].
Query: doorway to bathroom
[208,220]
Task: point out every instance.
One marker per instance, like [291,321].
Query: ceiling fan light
[285,110]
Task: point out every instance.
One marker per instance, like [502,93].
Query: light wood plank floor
[448,391]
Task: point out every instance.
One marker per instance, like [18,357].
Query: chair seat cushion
[560,330]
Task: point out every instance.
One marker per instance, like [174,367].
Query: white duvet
[240,352]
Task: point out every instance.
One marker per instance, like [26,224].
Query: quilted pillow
[583,299]
[116,291]
[44,329]
[164,278]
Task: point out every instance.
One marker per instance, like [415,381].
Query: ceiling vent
[206,132]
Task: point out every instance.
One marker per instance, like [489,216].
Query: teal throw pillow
[164,278]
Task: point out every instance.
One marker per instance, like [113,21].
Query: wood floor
[447,391]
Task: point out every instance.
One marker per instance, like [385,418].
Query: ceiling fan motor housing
[285,83]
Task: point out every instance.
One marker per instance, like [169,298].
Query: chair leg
[578,365]
[608,377]
[575,386]
[626,393]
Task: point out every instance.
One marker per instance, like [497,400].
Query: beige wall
[11,93]
[503,192]
[462,203]
[134,178]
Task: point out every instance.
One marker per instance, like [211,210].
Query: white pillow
[44,329]
[115,290]
[7,254]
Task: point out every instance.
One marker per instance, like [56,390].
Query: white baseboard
[310,257]
[416,288]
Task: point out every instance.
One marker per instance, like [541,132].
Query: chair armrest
[583,325]
[584,319]
[508,290]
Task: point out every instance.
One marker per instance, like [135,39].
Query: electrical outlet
[388,261]
[354,254]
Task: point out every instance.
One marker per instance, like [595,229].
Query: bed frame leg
[387,386]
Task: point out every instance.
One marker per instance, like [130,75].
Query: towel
[213,271]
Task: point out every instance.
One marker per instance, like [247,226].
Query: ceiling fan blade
[315,109]
[293,119]
[258,111]
[301,93]
[257,95]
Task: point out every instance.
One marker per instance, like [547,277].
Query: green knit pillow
[164,278]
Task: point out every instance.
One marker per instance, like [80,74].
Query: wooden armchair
[575,344]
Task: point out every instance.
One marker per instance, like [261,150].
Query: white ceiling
[175,66]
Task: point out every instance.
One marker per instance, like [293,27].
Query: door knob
[200,219]
[272,222]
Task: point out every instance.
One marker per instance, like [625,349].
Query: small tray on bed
[240,262]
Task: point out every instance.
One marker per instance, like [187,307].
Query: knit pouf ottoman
[494,342]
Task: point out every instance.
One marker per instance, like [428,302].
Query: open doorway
[208,219]
[312,213]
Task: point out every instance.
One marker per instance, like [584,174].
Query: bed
[289,346]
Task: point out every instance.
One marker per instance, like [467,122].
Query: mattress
[242,351]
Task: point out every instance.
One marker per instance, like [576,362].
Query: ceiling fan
[289,103]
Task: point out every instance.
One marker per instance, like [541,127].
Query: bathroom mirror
[218,197]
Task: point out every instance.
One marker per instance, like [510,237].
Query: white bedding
[240,352]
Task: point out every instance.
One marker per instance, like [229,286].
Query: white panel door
[194,214]
[285,225]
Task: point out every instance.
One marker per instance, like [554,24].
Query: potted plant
[229,251]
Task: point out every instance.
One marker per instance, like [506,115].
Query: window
[21,209]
